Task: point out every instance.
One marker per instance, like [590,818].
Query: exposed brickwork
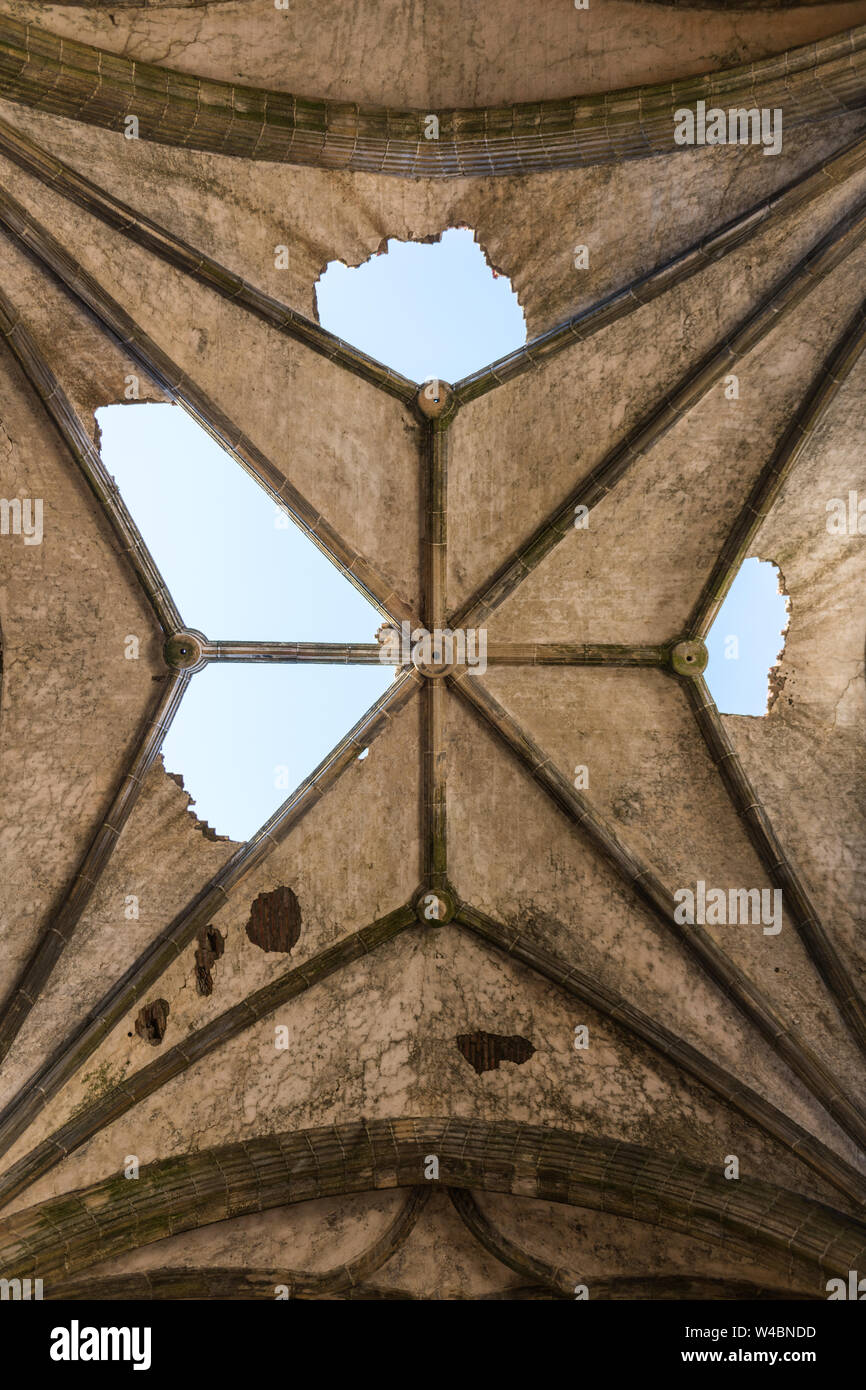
[484,1051]
[275,920]
[152,1020]
[211,945]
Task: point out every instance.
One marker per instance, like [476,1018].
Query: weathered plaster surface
[544,878]
[378,1038]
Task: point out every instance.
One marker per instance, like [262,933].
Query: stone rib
[434,781]
[76,80]
[575,654]
[300,653]
[436,449]
[436,445]
[507,1251]
[60,1237]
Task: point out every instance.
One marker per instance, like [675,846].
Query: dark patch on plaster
[152,1020]
[275,920]
[211,945]
[484,1051]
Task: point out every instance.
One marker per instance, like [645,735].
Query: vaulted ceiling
[241,1082]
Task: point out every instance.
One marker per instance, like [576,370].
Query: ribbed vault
[460,880]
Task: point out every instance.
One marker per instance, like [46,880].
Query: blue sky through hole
[431,310]
[246,735]
[745,639]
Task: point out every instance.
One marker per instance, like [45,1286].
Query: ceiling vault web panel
[459,982]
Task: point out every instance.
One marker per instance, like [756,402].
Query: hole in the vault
[151,1021]
[211,945]
[246,735]
[432,310]
[484,1051]
[275,920]
[238,568]
[746,641]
